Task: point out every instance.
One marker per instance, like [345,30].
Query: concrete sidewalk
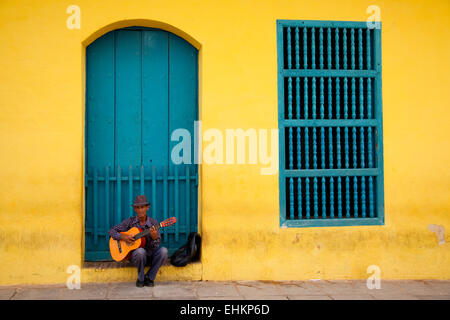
[238,290]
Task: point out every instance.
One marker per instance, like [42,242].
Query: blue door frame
[141,85]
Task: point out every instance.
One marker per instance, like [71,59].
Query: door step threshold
[112,264]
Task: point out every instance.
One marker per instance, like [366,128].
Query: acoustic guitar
[120,250]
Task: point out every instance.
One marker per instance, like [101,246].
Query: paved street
[238,290]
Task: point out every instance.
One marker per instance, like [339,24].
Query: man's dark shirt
[129,223]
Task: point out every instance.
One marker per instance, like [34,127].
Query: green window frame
[330,124]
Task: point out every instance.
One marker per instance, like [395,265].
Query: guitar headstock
[168,222]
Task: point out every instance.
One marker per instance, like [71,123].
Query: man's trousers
[155,259]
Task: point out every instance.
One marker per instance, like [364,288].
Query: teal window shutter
[330,124]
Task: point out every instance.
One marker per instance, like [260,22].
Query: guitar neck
[146,232]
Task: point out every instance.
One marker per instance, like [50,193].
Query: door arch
[141,85]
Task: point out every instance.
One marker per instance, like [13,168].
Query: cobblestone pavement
[237,290]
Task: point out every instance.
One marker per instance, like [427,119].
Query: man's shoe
[148,282]
[140,284]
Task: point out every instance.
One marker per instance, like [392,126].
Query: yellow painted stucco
[42,66]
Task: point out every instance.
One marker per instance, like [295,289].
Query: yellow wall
[42,138]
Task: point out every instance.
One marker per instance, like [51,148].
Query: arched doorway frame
[84,44]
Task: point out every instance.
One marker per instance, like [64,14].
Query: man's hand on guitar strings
[127,238]
[153,233]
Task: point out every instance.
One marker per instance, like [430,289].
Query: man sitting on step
[152,254]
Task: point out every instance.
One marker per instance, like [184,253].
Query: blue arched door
[141,85]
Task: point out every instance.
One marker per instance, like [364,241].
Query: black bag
[189,252]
